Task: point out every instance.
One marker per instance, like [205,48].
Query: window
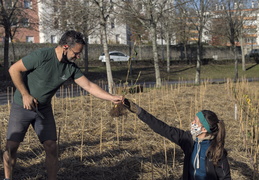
[9,4]
[56,23]
[25,22]
[14,22]
[30,39]
[139,6]
[27,4]
[63,23]
[55,4]
[120,54]
[55,8]
[112,24]
[53,39]
[117,39]
[250,40]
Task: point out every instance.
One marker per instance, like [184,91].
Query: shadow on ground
[118,163]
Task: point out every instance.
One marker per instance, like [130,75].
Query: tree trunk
[140,52]
[14,55]
[107,59]
[242,53]
[86,58]
[6,53]
[140,49]
[156,63]
[103,25]
[162,48]
[236,64]
[198,67]
[185,54]
[168,51]
[199,49]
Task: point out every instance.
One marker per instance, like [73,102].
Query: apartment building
[251,30]
[24,22]
[36,23]
[247,18]
[51,13]
[48,28]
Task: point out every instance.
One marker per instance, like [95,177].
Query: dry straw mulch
[93,145]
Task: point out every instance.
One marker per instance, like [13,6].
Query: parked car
[253,53]
[115,56]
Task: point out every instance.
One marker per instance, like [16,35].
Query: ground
[94,146]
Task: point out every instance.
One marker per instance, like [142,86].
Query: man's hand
[29,102]
[131,106]
[117,99]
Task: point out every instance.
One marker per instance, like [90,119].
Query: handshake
[119,109]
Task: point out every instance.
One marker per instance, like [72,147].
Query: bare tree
[148,13]
[183,29]
[105,9]
[231,20]
[12,16]
[199,15]
[168,30]
[70,14]
[137,33]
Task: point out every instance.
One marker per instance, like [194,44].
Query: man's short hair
[71,38]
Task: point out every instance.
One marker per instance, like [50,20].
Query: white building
[47,33]
[117,33]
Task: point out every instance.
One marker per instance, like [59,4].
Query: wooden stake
[174,155]
[101,133]
[177,114]
[91,105]
[72,90]
[152,165]
[166,165]
[61,95]
[82,137]
[117,130]
[59,130]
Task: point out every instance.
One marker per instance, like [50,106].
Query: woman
[203,146]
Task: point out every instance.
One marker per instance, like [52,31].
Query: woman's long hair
[217,127]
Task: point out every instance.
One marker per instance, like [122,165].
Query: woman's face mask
[195,130]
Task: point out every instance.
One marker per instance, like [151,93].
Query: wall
[143,52]
[20,50]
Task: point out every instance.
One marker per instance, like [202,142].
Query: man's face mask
[64,58]
[195,130]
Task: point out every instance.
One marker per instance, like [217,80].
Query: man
[37,77]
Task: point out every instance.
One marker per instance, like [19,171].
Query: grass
[97,71]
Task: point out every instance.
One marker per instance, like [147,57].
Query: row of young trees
[178,21]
